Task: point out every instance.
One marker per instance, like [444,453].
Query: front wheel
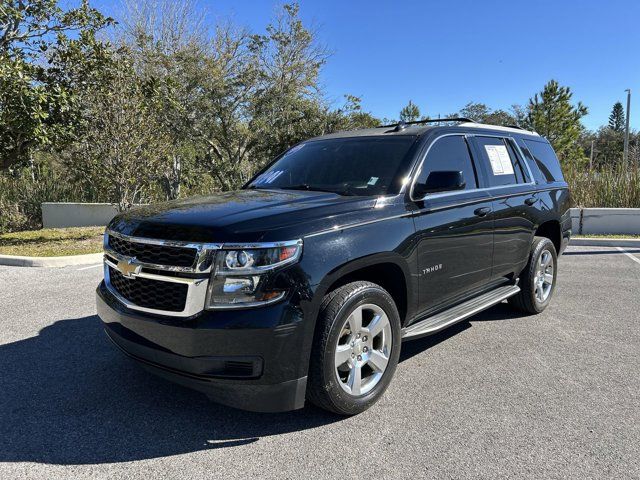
[356,348]
[538,279]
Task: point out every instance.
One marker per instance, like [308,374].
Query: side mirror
[443,181]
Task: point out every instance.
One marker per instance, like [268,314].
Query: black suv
[304,283]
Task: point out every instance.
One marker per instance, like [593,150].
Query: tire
[334,386]
[534,297]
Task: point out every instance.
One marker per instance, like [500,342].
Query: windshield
[347,166]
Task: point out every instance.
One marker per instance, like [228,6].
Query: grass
[52,242]
[603,235]
[614,186]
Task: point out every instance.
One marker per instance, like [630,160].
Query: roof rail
[402,125]
[515,126]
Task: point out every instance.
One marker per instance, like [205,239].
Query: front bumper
[250,359]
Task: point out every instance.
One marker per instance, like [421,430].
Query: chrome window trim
[482,189]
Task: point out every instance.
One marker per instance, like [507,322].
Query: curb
[18,261]
[604,242]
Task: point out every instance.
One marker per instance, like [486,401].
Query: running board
[455,314]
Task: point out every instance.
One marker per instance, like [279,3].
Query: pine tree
[552,115]
[410,113]
[616,119]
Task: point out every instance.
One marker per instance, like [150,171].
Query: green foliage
[617,118]
[410,112]
[23,192]
[122,146]
[168,109]
[552,115]
[616,186]
[483,114]
[34,105]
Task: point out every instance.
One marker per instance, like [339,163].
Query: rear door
[515,201]
[454,230]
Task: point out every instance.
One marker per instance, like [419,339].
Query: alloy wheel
[543,282]
[363,349]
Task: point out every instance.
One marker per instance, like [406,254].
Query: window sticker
[268,177]
[372,181]
[499,159]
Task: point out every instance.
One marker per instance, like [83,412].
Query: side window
[521,176]
[546,160]
[450,154]
[533,166]
[501,161]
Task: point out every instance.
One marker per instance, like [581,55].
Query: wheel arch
[388,270]
[551,229]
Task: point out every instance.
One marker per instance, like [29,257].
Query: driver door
[454,228]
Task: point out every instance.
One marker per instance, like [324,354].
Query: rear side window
[500,160]
[450,154]
[546,160]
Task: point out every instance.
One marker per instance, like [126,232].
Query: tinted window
[349,166]
[452,154]
[546,160]
[521,176]
[501,164]
[533,166]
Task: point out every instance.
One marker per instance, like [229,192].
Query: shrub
[616,186]
[21,197]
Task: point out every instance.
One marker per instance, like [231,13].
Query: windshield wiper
[306,186]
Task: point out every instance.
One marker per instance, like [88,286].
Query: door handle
[482,211]
[530,201]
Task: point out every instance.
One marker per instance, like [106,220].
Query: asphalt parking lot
[551,396]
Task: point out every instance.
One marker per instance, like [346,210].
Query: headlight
[238,278]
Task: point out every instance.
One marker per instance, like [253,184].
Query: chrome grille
[148,293]
[163,277]
[154,254]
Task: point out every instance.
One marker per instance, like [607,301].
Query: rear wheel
[356,348]
[538,279]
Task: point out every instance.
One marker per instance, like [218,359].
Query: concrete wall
[584,220]
[614,221]
[58,215]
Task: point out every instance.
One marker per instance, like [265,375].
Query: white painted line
[92,266]
[632,257]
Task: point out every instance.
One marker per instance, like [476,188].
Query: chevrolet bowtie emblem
[129,268]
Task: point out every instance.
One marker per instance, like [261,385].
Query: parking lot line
[632,257]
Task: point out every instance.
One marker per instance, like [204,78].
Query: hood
[243,216]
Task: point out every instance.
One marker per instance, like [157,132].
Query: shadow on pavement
[500,312]
[68,397]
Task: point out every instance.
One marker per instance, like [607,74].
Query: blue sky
[443,54]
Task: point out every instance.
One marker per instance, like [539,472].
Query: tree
[410,112]
[259,94]
[122,146]
[483,114]
[36,109]
[169,46]
[617,118]
[552,115]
